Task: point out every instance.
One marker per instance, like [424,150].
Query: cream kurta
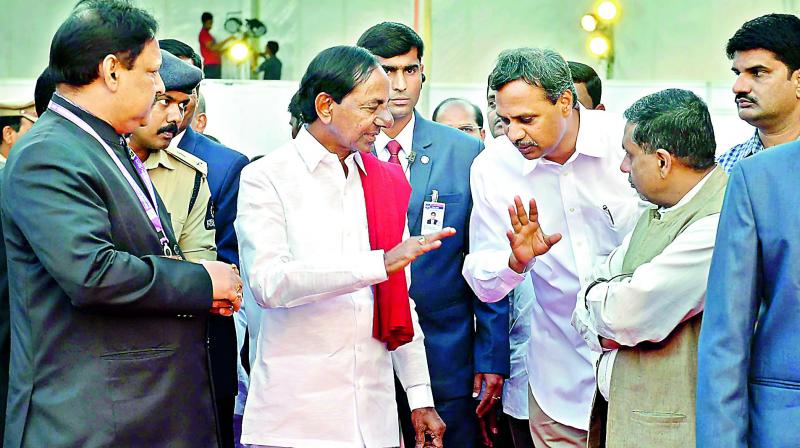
[319,379]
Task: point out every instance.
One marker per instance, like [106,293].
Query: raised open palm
[526,238]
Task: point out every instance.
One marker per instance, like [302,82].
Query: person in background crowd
[200,120]
[326,348]
[568,160]
[15,120]
[462,115]
[588,85]
[272,66]
[496,125]
[465,339]
[210,49]
[766,61]
[641,312]
[99,293]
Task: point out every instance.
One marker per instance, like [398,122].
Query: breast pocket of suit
[454,209]
[139,384]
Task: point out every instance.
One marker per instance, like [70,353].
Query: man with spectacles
[460,114]
[179,177]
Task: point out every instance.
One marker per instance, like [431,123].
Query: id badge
[432,215]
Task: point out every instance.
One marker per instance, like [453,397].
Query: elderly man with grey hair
[567,164]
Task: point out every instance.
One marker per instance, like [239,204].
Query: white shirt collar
[405,138]
[312,152]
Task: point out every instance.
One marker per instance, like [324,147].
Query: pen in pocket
[610,216]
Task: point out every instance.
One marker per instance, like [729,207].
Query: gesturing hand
[227,287]
[527,239]
[404,253]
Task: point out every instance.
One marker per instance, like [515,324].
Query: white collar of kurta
[405,138]
[689,195]
[590,142]
[312,152]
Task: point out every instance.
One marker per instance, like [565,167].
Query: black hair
[583,74]
[94,30]
[778,33]
[181,50]
[14,122]
[206,16]
[390,39]
[675,120]
[273,47]
[45,87]
[538,67]
[335,71]
[294,108]
[475,109]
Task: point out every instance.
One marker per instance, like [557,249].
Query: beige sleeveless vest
[652,396]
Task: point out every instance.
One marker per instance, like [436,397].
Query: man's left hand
[429,428]
[491,394]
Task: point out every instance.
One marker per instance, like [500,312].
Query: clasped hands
[227,286]
[526,237]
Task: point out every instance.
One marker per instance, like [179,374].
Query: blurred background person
[460,114]
[272,66]
[588,85]
[210,49]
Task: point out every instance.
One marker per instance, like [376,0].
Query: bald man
[460,114]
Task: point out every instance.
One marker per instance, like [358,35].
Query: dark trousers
[458,415]
[225,415]
[520,432]
[212,71]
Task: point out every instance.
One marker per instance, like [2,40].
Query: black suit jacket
[102,351]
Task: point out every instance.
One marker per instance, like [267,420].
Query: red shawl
[386,194]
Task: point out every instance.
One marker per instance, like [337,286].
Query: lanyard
[148,204]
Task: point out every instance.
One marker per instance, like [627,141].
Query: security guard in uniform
[181,180]
[179,177]
[15,120]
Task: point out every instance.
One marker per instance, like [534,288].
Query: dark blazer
[224,167]
[5,331]
[463,335]
[102,351]
[748,391]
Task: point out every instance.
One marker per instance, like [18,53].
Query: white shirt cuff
[420,396]
[372,268]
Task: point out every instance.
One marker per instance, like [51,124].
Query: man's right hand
[527,239]
[404,253]
[227,287]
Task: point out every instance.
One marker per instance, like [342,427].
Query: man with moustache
[766,61]
[179,177]
[224,165]
[108,328]
[465,339]
[568,160]
[337,317]
[503,155]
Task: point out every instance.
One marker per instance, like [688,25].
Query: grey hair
[539,67]
[675,120]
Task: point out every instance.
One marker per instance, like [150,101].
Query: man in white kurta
[319,378]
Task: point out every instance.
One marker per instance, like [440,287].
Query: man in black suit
[108,323]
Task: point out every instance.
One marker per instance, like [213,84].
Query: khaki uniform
[180,179]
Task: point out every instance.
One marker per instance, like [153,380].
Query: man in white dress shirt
[567,159]
[320,378]
[642,309]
